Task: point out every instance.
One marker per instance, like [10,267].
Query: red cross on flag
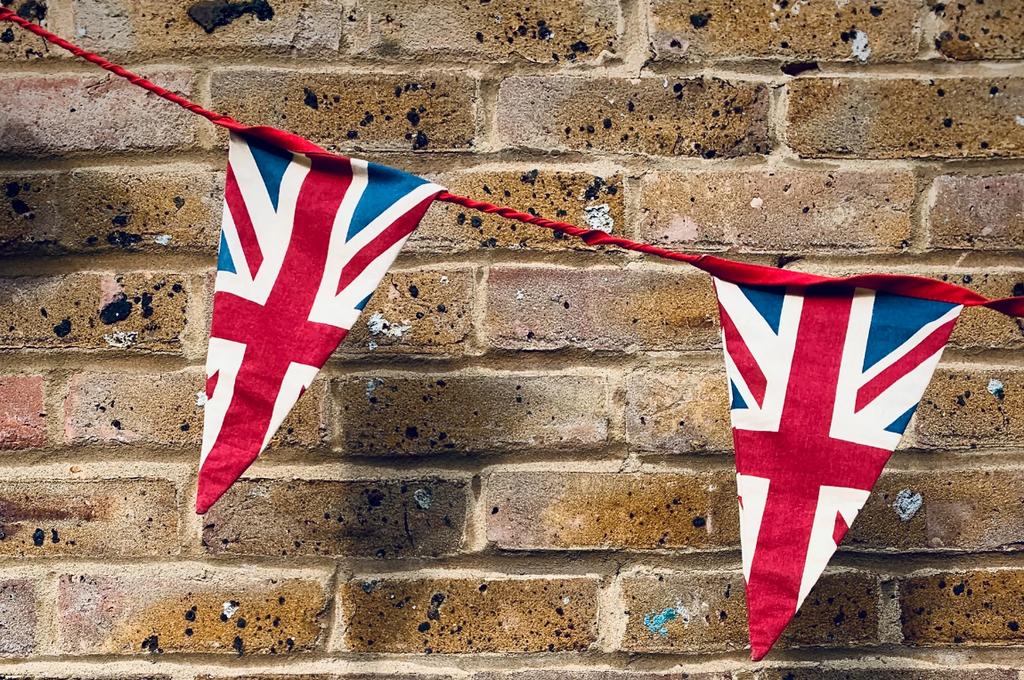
[824,381]
[306,238]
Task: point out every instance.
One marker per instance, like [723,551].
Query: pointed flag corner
[306,238]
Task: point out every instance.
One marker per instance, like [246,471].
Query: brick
[66,113]
[22,424]
[861,30]
[658,116]
[942,510]
[976,212]
[970,407]
[562,32]
[980,328]
[677,412]
[157,27]
[17,44]
[992,30]
[706,612]
[778,210]
[963,608]
[585,674]
[95,518]
[154,209]
[906,118]
[581,511]
[578,198]
[471,414]
[377,111]
[195,609]
[385,518]
[416,311]
[17,617]
[470,615]
[601,309]
[162,409]
[819,673]
[134,310]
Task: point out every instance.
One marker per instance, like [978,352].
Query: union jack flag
[305,240]
[824,381]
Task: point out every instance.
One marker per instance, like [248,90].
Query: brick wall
[532,460]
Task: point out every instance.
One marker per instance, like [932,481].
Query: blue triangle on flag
[900,424]
[362,305]
[272,161]
[768,301]
[894,320]
[737,398]
[225,263]
[384,187]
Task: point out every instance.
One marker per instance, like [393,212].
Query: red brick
[22,414]
[979,30]
[386,518]
[471,414]
[164,409]
[710,612]
[432,111]
[18,617]
[906,118]
[460,615]
[944,510]
[60,114]
[185,609]
[700,30]
[976,212]
[601,309]
[658,116]
[88,518]
[970,608]
[778,210]
[972,406]
[134,310]
[677,412]
[575,31]
[587,511]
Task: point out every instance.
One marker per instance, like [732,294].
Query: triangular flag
[824,380]
[306,238]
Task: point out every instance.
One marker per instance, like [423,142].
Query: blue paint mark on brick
[658,623]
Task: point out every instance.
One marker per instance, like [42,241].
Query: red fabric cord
[736,272]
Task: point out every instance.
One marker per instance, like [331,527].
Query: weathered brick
[22,414]
[579,510]
[942,510]
[972,406]
[706,612]
[976,212]
[423,310]
[17,617]
[93,518]
[462,615]
[152,209]
[164,408]
[585,674]
[575,197]
[601,309]
[428,111]
[906,118]
[158,27]
[824,673]
[861,30]
[59,114]
[193,609]
[573,31]
[141,310]
[386,518]
[778,209]
[677,412]
[979,30]
[981,328]
[17,44]
[471,414]
[660,116]
[963,608]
